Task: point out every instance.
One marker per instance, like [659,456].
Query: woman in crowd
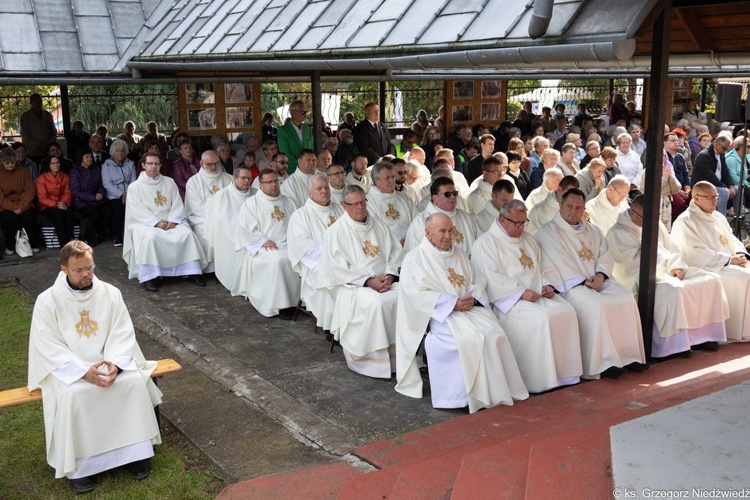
[420,125]
[429,143]
[591,179]
[54,149]
[521,178]
[16,201]
[55,199]
[118,172]
[90,198]
[609,156]
[184,167]
[268,131]
[225,156]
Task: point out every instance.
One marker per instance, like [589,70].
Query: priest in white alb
[155,227]
[272,286]
[706,241]
[358,175]
[608,319]
[220,229]
[469,358]
[550,181]
[492,171]
[609,203]
[546,210]
[502,192]
[444,200]
[307,226]
[97,395]
[689,304]
[295,186]
[392,208]
[360,265]
[541,326]
[440,169]
[336,182]
[199,189]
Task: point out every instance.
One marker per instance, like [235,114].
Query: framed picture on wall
[490,111]
[463,89]
[202,119]
[463,113]
[490,89]
[239,117]
[238,92]
[199,93]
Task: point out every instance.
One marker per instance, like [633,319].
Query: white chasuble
[150,251]
[220,234]
[467,348]
[543,212]
[365,182]
[464,228]
[680,306]
[305,238]
[337,195]
[364,321]
[486,218]
[72,330]
[544,334]
[395,210]
[295,187]
[602,213]
[608,320]
[537,196]
[481,194]
[706,241]
[266,274]
[198,190]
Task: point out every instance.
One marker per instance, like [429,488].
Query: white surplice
[543,212]
[395,210]
[90,429]
[608,320]
[150,251]
[364,321]
[537,196]
[199,189]
[469,358]
[706,241]
[602,213]
[220,234]
[295,187]
[267,275]
[305,239]
[337,195]
[680,306]
[544,334]
[481,194]
[365,183]
[464,228]
[486,217]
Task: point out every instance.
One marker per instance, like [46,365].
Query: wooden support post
[317,126]
[65,105]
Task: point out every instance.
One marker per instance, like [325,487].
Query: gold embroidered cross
[331,220]
[277,214]
[214,189]
[455,278]
[457,236]
[370,249]
[724,240]
[86,327]
[584,253]
[525,260]
[160,199]
[392,213]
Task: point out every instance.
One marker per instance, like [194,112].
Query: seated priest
[155,226]
[359,267]
[689,305]
[469,358]
[391,207]
[541,326]
[609,203]
[706,241]
[608,320]
[266,273]
[502,192]
[545,210]
[295,186]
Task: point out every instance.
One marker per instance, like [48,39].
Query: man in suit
[371,136]
[295,135]
[711,166]
[96,145]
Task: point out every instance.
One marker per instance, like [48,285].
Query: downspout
[540,18]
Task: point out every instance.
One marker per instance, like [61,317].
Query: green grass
[177,470]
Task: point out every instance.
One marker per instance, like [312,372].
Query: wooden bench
[13,397]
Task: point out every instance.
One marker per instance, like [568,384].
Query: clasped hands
[531,296]
[101,374]
[165,225]
[739,260]
[595,282]
[380,284]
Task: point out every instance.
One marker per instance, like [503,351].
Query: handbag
[23,247]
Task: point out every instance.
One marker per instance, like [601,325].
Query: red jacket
[52,189]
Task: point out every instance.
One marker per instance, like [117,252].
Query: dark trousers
[118,218]
[63,222]
[97,219]
[12,222]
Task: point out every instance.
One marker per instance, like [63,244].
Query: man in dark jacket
[711,166]
[371,135]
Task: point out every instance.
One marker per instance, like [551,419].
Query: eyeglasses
[335,174]
[518,225]
[153,163]
[86,269]
[281,162]
[359,204]
[300,111]
[402,172]
[211,164]
[448,194]
[494,171]
[244,178]
[275,181]
[712,198]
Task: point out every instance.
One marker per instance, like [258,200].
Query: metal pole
[65,105]
[704,90]
[317,126]
[741,188]
[382,100]
[652,203]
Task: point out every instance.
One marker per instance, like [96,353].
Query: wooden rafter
[699,35]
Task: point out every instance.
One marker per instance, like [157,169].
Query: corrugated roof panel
[90,8]
[213,8]
[257,31]
[18,34]
[18,6]
[54,15]
[391,9]
[465,6]
[96,36]
[292,37]
[265,41]
[412,24]
[101,62]
[314,37]
[219,34]
[127,18]
[216,22]
[226,44]
[370,34]
[619,15]
[242,5]
[186,17]
[335,11]
[277,3]
[496,18]
[289,14]
[351,23]
[189,45]
[22,62]
[163,43]
[149,6]
[446,29]
[61,51]
[247,18]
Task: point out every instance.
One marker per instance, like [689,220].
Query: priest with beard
[392,208]
[307,226]
[608,319]
[271,284]
[199,189]
[156,225]
[541,326]
[220,229]
[469,358]
[706,241]
[359,267]
[689,305]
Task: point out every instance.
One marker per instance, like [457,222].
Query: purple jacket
[85,183]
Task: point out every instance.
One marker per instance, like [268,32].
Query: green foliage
[14,100]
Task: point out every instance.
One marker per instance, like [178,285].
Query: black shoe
[329,336]
[197,279]
[612,372]
[287,314]
[82,484]
[151,285]
[117,242]
[637,367]
[139,470]
[706,346]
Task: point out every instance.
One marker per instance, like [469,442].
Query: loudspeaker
[728,102]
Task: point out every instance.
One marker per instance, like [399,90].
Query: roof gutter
[540,18]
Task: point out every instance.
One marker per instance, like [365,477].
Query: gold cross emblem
[370,249]
[724,240]
[392,213]
[525,260]
[86,327]
[214,189]
[277,214]
[331,220]
[584,253]
[160,199]
[457,236]
[455,278]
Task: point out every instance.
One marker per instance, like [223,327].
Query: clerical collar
[78,290]
[152,180]
[575,226]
